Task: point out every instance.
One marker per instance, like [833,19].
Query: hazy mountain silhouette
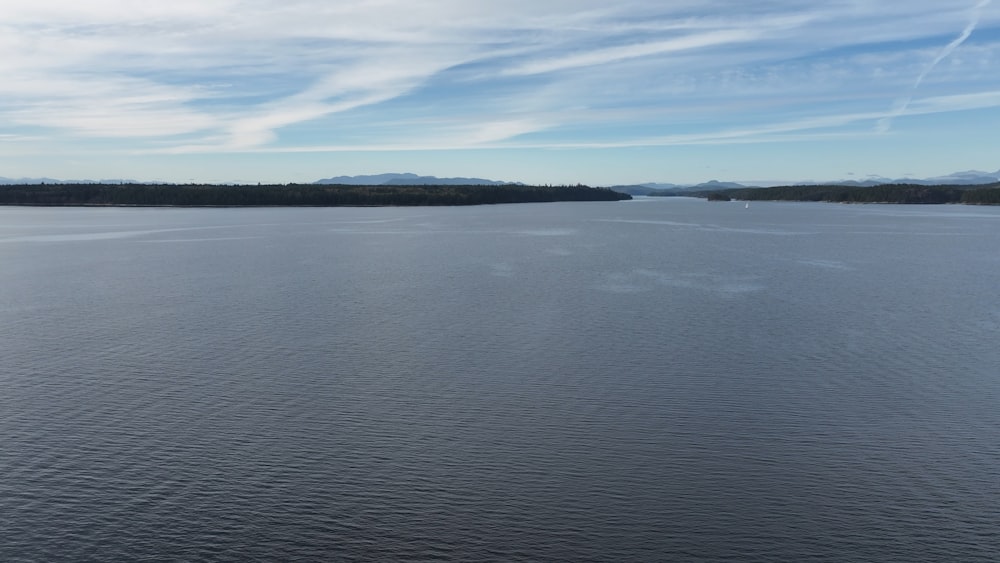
[967,177]
[408,179]
[11,181]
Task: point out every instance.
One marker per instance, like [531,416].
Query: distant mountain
[966,178]
[717,185]
[9,181]
[662,186]
[12,181]
[408,179]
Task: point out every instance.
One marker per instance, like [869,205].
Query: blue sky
[539,91]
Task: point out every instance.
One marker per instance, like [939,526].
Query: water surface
[660,379]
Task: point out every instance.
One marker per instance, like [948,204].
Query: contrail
[900,105]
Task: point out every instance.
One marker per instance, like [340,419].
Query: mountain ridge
[409,179]
[966,177]
[4,181]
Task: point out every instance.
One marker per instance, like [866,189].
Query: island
[325,195]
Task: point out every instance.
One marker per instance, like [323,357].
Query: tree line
[293,195]
[985,194]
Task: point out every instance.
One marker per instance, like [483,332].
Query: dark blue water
[632,381]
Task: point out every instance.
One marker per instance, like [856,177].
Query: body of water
[659,379]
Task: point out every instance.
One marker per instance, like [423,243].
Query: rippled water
[646,380]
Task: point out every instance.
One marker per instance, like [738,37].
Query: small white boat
[747,206]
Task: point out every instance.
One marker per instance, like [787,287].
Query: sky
[536,91]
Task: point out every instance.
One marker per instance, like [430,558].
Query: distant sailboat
[747,206]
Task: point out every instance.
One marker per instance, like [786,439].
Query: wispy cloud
[623,52]
[495,135]
[899,106]
[299,76]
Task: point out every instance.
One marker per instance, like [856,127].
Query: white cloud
[623,52]
[247,75]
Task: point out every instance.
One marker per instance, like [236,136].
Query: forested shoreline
[202,195]
[984,194]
